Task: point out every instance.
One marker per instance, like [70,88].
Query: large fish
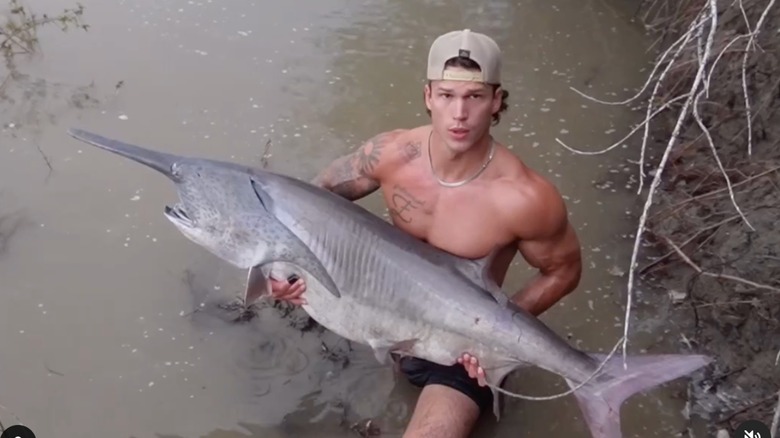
[374,284]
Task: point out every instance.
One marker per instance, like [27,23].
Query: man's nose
[459,110]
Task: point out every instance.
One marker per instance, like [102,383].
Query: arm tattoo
[351,176]
[368,155]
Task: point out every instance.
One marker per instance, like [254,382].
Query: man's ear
[498,97]
[427,95]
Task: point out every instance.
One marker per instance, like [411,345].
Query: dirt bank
[711,261]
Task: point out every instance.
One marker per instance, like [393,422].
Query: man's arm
[549,243]
[358,174]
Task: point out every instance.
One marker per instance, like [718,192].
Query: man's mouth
[459,132]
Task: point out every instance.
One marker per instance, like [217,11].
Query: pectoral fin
[382,348]
[258,283]
[495,376]
[478,272]
[287,247]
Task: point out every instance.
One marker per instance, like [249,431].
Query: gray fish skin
[374,284]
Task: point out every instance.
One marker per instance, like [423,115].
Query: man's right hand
[283,290]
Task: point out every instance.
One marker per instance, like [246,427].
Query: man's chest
[462,221]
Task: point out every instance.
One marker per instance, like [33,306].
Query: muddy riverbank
[709,267]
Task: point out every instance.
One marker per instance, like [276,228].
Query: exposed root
[775,418]
[723,276]
[711,143]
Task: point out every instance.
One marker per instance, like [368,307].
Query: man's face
[461,112]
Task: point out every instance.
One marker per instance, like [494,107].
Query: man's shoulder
[389,140]
[527,198]
[402,136]
[519,180]
[398,146]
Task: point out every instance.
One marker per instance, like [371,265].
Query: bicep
[546,238]
[554,251]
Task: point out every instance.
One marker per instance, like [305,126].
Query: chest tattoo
[403,204]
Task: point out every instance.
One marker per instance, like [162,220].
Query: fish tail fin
[600,400]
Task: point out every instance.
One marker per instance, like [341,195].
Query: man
[451,184]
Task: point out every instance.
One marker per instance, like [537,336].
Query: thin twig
[726,303]
[750,43]
[650,106]
[698,269]
[746,408]
[619,142]
[689,240]
[266,154]
[722,52]
[684,37]
[45,159]
[677,206]
[717,159]
[747,100]
[775,418]
[744,15]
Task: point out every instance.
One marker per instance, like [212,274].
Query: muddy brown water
[97,290]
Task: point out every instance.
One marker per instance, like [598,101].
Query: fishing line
[563,394]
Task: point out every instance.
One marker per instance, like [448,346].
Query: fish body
[372,283]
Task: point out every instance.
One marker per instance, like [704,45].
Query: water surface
[98,289]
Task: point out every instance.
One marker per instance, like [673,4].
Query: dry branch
[775,418]
[679,205]
[659,172]
[712,81]
[687,241]
[698,269]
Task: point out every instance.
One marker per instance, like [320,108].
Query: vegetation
[19,33]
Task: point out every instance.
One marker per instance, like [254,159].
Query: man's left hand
[472,367]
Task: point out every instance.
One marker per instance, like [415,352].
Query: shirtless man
[454,186]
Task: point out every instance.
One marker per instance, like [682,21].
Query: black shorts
[421,372]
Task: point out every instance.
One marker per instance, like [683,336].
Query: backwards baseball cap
[464,43]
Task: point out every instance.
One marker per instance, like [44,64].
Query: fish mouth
[177,213]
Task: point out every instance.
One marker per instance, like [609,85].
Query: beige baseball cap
[479,47]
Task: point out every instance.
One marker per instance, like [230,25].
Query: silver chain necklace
[467,180]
